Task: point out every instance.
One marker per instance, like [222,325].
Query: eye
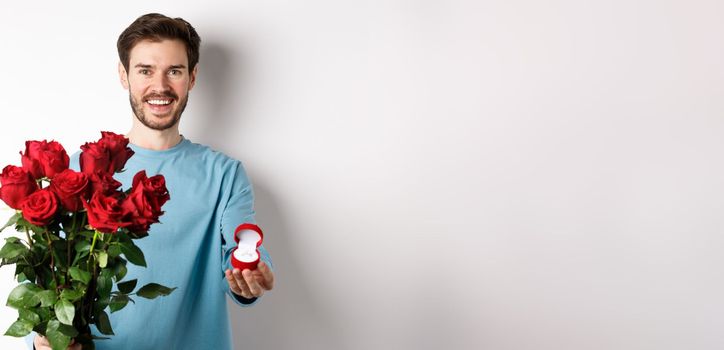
[175,72]
[144,71]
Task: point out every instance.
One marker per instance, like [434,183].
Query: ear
[192,78]
[123,75]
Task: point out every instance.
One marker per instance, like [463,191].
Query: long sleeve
[239,209]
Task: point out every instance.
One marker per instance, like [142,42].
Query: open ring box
[246,254]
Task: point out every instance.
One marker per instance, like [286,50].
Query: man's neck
[157,140]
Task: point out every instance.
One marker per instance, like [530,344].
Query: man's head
[156,27]
[158,65]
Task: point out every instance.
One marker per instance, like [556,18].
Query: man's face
[158,82]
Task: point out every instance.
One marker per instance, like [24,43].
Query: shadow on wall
[215,82]
[290,316]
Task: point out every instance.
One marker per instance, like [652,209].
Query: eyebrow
[175,66]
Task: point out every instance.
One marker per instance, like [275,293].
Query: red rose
[40,207]
[138,211]
[94,158]
[72,188]
[44,159]
[17,184]
[105,213]
[154,188]
[108,155]
[104,183]
[117,145]
[142,207]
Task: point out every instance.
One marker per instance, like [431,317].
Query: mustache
[167,94]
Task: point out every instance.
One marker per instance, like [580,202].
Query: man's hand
[41,343]
[251,284]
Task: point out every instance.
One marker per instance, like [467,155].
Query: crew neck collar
[146,152]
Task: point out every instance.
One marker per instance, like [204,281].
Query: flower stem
[30,240]
[90,254]
[52,260]
[69,236]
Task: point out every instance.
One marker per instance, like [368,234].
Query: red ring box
[246,254]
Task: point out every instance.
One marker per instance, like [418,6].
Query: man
[210,196]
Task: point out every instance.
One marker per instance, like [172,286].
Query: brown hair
[156,27]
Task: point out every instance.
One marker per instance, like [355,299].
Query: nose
[159,82]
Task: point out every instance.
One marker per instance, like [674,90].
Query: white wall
[435,174]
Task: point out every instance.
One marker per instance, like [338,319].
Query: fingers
[234,284]
[241,281]
[267,274]
[41,343]
[254,287]
[237,284]
[250,284]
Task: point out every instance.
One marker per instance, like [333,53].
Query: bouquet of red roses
[79,229]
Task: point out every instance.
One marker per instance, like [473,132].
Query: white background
[498,174]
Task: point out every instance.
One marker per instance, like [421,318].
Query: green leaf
[87,234]
[103,323]
[67,330]
[60,251]
[102,259]
[11,250]
[101,304]
[118,302]
[40,247]
[127,287]
[105,283]
[24,272]
[29,273]
[47,298]
[114,250]
[71,294]
[20,328]
[82,246]
[120,269]
[153,290]
[79,257]
[27,315]
[25,223]
[24,296]
[45,313]
[65,311]
[22,278]
[79,275]
[12,221]
[58,340]
[133,253]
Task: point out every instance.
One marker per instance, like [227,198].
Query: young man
[210,196]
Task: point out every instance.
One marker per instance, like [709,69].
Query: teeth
[158,102]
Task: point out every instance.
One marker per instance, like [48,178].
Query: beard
[137,107]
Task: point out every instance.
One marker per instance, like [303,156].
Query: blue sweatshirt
[189,249]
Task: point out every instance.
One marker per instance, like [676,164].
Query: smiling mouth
[159,102]
[159,105]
